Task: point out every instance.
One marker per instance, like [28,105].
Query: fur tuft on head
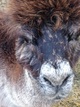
[28,11]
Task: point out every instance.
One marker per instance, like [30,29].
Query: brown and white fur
[37,51]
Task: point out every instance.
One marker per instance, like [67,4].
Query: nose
[56,76]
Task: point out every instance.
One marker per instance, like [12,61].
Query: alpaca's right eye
[23,40]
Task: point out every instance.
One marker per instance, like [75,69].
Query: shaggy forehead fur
[35,9]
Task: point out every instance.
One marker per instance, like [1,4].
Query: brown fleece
[30,11]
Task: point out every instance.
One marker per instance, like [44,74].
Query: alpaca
[38,51]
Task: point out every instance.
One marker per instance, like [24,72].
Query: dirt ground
[74,98]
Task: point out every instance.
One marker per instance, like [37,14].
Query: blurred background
[74,98]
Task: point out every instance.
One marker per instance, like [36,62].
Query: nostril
[65,80]
[47,80]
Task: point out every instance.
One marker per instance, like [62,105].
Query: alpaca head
[45,32]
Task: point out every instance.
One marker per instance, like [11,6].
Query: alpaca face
[38,52]
[44,57]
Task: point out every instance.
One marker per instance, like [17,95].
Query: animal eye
[22,40]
